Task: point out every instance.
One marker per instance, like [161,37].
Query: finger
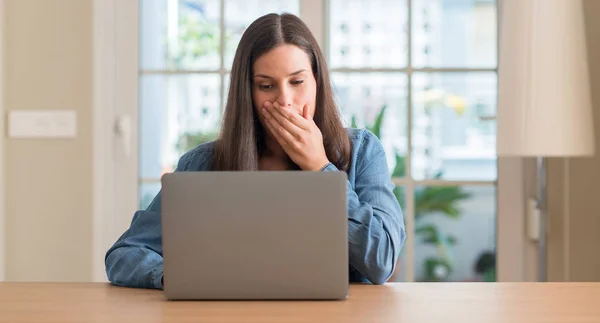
[305,113]
[274,133]
[277,129]
[308,117]
[295,118]
[281,116]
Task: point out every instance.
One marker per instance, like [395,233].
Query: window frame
[115,97]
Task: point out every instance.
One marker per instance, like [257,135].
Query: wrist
[317,166]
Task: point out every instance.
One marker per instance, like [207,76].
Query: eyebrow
[269,77]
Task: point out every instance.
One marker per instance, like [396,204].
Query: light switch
[42,124]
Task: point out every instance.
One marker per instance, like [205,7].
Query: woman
[281,115]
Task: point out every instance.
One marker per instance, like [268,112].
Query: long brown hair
[241,138]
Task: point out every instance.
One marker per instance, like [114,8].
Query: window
[428,69]
[420,74]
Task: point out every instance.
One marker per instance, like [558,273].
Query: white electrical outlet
[42,124]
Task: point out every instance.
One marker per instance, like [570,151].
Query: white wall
[584,210]
[2,182]
[48,65]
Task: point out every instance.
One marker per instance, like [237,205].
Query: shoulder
[197,159]
[364,142]
[367,152]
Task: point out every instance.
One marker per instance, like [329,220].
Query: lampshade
[544,103]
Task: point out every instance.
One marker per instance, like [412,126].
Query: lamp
[544,102]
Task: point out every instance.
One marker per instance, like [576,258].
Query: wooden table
[400,302]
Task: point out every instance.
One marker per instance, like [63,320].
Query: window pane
[179,34]
[226,89]
[147,193]
[239,14]
[451,137]
[362,97]
[451,33]
[177,113]
[368,33]
[400,272]
[455,233]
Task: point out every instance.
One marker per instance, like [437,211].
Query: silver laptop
[255,235]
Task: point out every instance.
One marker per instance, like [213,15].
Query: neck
[274,157]
[274,149]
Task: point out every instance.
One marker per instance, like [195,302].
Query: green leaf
[431,264]
[400,168]
[489,275]
[354,124]
[196,38]
[189,141]
[399,193]
[376,129]
[451,240]
[443,199]
[429,233]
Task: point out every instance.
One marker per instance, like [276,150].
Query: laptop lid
[255,235]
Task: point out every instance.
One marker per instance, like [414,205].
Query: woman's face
[284,75]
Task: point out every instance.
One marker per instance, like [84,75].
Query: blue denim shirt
[376,230]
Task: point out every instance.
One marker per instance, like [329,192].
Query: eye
[265,86]
[297,82]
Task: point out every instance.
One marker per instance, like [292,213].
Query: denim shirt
[376,230]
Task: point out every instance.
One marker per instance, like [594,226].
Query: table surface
[396,302]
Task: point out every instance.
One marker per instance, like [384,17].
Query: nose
[285,96]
